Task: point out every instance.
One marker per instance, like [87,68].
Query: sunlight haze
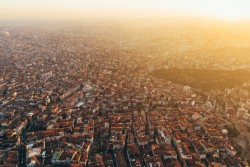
[77,9]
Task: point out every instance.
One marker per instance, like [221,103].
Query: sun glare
[230,10]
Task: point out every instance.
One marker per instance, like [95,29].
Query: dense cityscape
[90,96]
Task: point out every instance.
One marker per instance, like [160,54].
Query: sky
[77,9]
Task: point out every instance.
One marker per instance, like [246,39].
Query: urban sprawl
[85,96]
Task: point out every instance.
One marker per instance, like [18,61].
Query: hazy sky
[75,9]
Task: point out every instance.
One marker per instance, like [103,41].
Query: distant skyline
[78,9]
